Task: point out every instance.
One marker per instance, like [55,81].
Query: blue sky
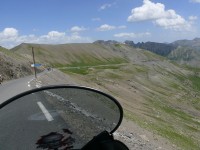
[75,21]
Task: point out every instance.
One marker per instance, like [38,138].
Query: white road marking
[45,111]
[29,82]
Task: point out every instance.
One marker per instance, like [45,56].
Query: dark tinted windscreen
[56,118]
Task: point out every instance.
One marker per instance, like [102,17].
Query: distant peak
[196,39]
[128,42]
[107,42]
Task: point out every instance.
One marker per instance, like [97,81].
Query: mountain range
[182,51]
[195,43]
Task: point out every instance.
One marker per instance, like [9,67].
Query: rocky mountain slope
[195,43]
[185,55]
[13,65]
[157,94]
[185,52]
[162,49]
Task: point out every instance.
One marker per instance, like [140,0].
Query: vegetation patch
[141,69]
[108,67]
[113,75]
[192,68]
[84,70]
[180,77]
[195,82]
[96,62]
[58,65]
[179,114]
[192,128]
[83,67]
[117,45]
[173,113]
[81,71]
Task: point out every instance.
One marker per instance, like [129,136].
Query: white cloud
[75,36]
[122,27]
[193,18]
[56,34]
[156,12]
[176,23]
[77,29]
[132,35]
[148,11]
[9,38]
[9,33]
[105,6]
[107,27]
[96,19]
[195,1]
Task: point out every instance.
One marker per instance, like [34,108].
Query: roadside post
[33,65]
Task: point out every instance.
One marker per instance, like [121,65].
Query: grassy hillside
[69,54]
[156,94]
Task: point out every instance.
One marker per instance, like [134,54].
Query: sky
[85,21]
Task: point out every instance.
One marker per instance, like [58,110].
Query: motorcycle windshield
[57,118]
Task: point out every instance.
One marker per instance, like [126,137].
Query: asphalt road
[11,88]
